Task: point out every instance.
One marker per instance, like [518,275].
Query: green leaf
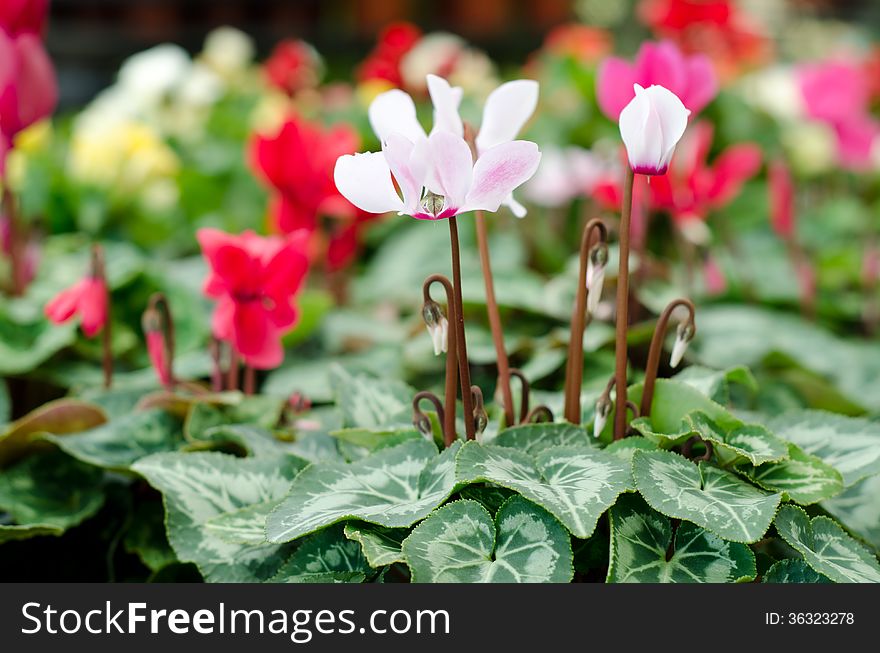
[858,509]
[146,536]
[715,384]
[197,487]
[849,444]
[121,442]
[802,478]
[232,408]
[490,496]
[5,402]
[58,417]
[533,438]
[381,546]
[575,484]
[51,489]
[373,439]
[243,526]
[254,441]
[24,347]
[10,532]
[826,547]
[641,538]
[460,543]
[325,553]
[793,570]
[394,487]
[331,577]
[738,442]
[626,448]
[715,499]
[369,402]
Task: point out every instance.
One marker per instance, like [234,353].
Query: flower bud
[437,325]
[651,126]
[683,336]
[596,276]
[603,410]
[151,322]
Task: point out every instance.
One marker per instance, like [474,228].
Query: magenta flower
[255,281]
[691,78]
[87,298]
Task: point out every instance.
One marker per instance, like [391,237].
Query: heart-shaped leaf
[710,497]
[322,554]
[394,487]
[640,550]
[849,444]
[715,384]
[370,402]
[826,547]
[793,570]
[738,442]
[802,478]
[380,545]
[533,438]
[575,484]
[197,487]
[461,543]
[254,441]
[858,508]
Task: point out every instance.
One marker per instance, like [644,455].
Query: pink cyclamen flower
[506,111]
[437,176]
[23,16]
[88,298]
[651,126]
[255,280]
[781,190]
[158,353]
[692,78]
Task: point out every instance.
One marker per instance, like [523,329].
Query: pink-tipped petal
[499,171]
[394,111]
[445,99]
[365,181]
[651,125]
[506,111]
[93,309]
[452,167]
[404,161]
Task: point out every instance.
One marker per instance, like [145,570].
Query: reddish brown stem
[657,348]
[158,305]
[421,421]
[99,272]
[451,383]
[216,369]
[622,309]
[250,380]
[232,373]
[575,363]
[464,372]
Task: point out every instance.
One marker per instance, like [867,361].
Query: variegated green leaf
[673,401]
[826,547]
[243,526]
[380,545]
[802,478]
[232,408]
[532,438]
[254,441]
[705,495]
[640,548]
[461,543]
[490,496]
[326,554]
[849,444]
[394,487]
[146,538]
[574,484]
[326,578]
[51,489]
[737,442]
[369,402]
[9,532]
[120,442]
[858,508]
[625,448]
[374,439]
[197,487]
[793,570]
[715,384]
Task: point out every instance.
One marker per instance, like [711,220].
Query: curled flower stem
[657,348]
[99,272]
[622,309]
[575,364]
[421,421]
[687,448]
[461,343]
[215,348]
[538,414]
[524,397]
[451,387]
[479,417]
[250,380]
[158,306]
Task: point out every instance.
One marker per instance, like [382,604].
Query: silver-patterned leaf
[574,484]
[736,442]
[710,497]
[793,570]
[393,487]
[380,545]
[849,444]
[461,543]
[368,402]
[858,508]
[826,547]
[640,548]
[673,402]
[715,384]
[255,441]
[243,526]
[625,448]
[802,478]
[533,438]
[197,487]
[327,552]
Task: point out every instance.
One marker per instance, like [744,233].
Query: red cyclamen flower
[255,280]
[781,190]
[383,63]
[88,298]
[23,16]
[293,66]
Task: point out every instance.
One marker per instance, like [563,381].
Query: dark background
[89,38]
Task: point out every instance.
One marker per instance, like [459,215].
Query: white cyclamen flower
[651,126]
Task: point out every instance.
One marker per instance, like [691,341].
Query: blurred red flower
[781,189]
[383,63]
[23,16]
[88,298]
[293,66]
[255,281]
[582,42]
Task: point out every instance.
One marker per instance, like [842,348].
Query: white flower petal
[651,125]
[365,181]
[446,100]
[394,111]
[452,167]
[401,158]
[507,109]
[499,171]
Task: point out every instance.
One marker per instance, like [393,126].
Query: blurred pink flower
[88,298]
[255,280]
[781,188]
[690,78]
[651,126]
[713,277]
[158,353]
[23,16]
[566,173]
